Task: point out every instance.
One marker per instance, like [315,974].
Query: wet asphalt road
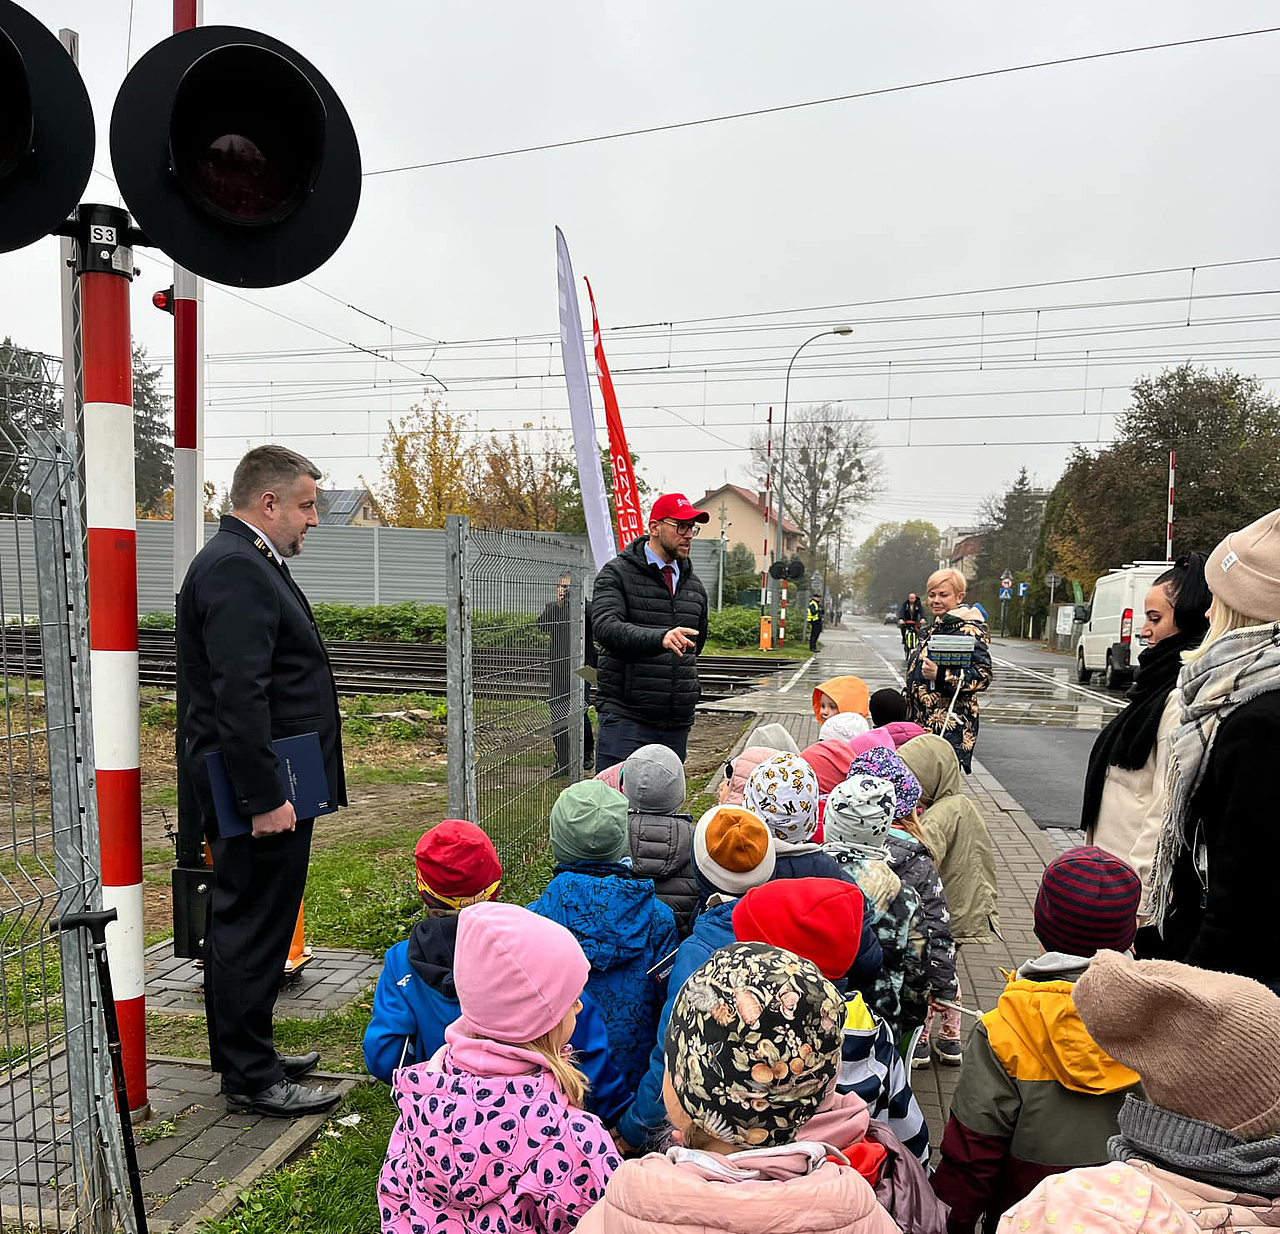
[1038,723]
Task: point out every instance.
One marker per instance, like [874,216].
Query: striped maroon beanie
[1088,901]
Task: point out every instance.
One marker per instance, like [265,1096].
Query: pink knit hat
[875,739]
[517,974]
[1100,1199]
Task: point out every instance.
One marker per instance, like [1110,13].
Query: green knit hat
[589,823]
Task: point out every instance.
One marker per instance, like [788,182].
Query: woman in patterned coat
[930,688]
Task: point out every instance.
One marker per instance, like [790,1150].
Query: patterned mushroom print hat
[753,1044]
[783,790]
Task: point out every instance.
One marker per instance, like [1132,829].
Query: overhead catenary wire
[830,100]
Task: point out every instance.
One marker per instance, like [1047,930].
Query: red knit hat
[819,919]
[830,762]
[457,864]
[1087,902]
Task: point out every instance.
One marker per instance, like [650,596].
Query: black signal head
[236,156]
[46,130]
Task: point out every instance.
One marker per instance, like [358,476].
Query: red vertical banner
[626,497]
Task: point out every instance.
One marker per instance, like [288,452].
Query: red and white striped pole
[1168,535]
[105,269]
[188,385]
[768,509]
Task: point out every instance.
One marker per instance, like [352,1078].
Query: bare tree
[833,470]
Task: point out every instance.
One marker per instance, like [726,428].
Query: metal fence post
[461,717]
[577,644]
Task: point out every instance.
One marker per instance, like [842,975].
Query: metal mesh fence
[516,634]
[60,1158]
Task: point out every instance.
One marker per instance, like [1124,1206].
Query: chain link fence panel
[516,613]
[61,1159]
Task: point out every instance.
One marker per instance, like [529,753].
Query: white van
[1109,643]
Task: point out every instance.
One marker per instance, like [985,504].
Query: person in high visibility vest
[814,617]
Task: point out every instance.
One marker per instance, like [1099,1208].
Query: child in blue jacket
[617,918]
[416,999]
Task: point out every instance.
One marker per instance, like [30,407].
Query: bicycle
[910,638]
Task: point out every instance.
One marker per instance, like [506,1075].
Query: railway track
[403,668]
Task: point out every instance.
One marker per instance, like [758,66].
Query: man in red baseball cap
[649,616]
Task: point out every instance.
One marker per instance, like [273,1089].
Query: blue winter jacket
[416,998]
[624,930]
[712,930]
[817,864]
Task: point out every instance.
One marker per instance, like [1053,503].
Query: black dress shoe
[296,1065]
[283,1100]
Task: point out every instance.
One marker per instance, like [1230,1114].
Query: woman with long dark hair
[1124,791]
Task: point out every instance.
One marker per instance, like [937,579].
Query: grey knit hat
[653,780]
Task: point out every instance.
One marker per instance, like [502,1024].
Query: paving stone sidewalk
[332,978]
[1022,849]
[194,1156]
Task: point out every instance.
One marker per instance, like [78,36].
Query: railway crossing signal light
[235,156]
[46,130]
[233,153]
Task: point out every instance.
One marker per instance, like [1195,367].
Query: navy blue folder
[301,773]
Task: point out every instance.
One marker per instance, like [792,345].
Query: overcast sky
[891,212]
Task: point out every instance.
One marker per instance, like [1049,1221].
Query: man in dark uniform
[253,669]
[554,622]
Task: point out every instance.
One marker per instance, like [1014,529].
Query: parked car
[1109,642]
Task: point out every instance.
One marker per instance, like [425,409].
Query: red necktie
[668,572]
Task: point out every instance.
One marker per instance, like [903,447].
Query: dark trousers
[815,628]
[620,738]
[560,732]
[257,891]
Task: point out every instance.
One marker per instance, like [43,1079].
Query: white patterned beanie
[783,791]
[860,811]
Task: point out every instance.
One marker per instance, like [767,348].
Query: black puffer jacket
[631,609]
[662,849]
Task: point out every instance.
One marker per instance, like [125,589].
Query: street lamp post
[782,457]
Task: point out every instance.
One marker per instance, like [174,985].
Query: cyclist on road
[910,619]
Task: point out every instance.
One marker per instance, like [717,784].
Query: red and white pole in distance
[1168,538]
[768,508]
[188,385]
[105,269]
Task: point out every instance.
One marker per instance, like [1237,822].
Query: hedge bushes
[734,627]
[412,622]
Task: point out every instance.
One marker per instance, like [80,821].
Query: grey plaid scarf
[1237,667]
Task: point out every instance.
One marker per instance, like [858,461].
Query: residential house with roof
[744,513]
[347,507]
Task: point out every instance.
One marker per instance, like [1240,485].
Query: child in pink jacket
[492,1134]
[752,1053]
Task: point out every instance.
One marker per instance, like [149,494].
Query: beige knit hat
[1204,1043]
[1244,570]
